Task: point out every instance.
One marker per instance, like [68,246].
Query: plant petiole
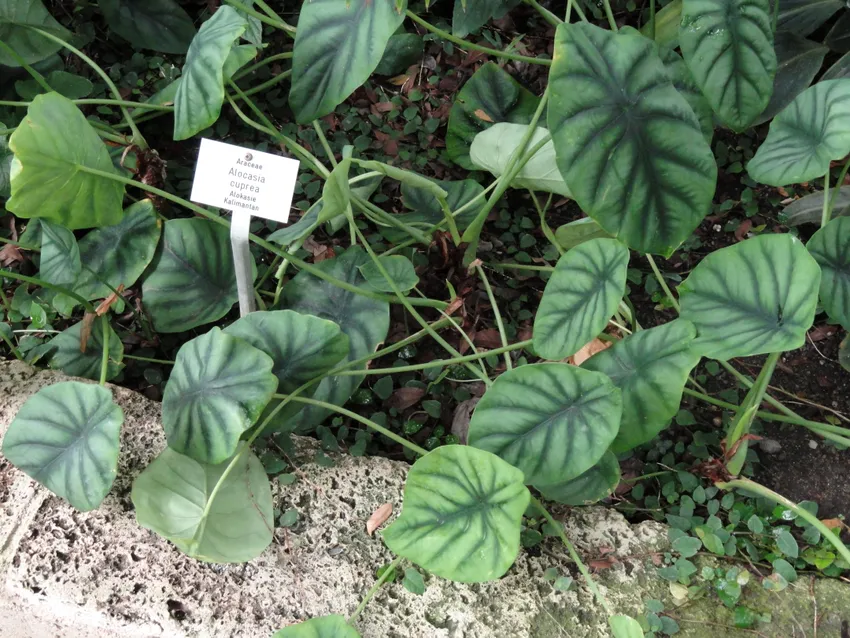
[387,573]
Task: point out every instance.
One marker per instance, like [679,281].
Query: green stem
[44,284]
[837,188]
[362,419]
[663,283]
[652,19]
[11,345]
[271,13]
[164,362]
[761,490]
[509,365]
[387,573]
[475,47]
[390,220]
[5,300]
[827,209]
[138,140]
[38,77]
[547,15]
[104,102]
[611,21]
[265,19]
[104,361]
[260,64]
[324,142]
[547,231]
[574,555]
[507,266]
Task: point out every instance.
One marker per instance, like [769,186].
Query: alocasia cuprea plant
[623,128]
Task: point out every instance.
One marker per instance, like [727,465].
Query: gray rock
[67,574]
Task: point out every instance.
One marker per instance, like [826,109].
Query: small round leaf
[461,515]
[217,390]
[324,627]
[400,269]
[830,247]
[170,497]
[591,486]
[66,437]
[580,297]
[553,421]
[755,297]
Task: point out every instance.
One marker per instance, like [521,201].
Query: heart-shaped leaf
[71,86]
[728,46]
[337,47]
[649,184]
[53,146]
[812,131]
[66,437]
[60,255]
[490,96]
[581,230]
[302,347]
[684,82]
[471,16]
[830,247]
[118,254]
[492,150]
[651,368]
[400,269]
[584,291]
[797,62]
[553,421]
[591,486]
[218,388]
[197,103]
[191,280]
[68,357]
[16,18]
[804,16]
[324,627]
[461,515]
[365,321]
[171,496]
[751,298]
[161,25]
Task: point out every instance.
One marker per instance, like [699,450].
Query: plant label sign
[248,183]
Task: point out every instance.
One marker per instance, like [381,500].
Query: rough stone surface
[71,575]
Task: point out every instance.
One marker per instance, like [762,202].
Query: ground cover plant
[637,111]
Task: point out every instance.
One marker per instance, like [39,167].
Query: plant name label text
[244,180]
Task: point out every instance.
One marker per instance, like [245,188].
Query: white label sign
[244,180]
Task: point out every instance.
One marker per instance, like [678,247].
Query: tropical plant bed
[546,254]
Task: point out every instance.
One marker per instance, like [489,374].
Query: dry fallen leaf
[588,350]
[106,304]
[481,115]
[10,254]
[489,339]
[822,332]
[403,398]
[85,330]
[461,418]
[833,523]
[379,517]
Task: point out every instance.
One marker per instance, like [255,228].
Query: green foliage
[552,421]
[589,487]
[66,437]
[60,255]
[53,147]
[161,25]
[461,515]
[398,267]
[172,497]
[649,185]
[200,95]
[580,297]
[829,247]
[218,389]
[323,627]
[337,46]
[69,354]
[17,19]
[471,16]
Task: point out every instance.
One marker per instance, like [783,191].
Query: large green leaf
[809,209]
[812,131]
[218,388]
[68,356]
[73,87]
[651,368]
[16,18]
[492,150]
[461,514]
[337,47]
[591,486]
[728,46]
[161,25]
[53,146]
[553,421]
[667,22]
[684,82]
[804,16]
[627,143]
[5,164]
[838,38]
[751,298]
[302,347]
[365,321]
[171,496]
[581,295]
[191,280]
[118,254]
[66,437]
[199,97]
[490,96]
[60,255]
[830,247]
[797,62]
[471,15]
[323,627]
[579,231]
[403,50]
